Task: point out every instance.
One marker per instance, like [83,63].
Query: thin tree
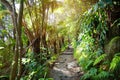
[17,22]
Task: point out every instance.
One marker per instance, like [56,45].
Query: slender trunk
[12,10]
[20,39]
[60,43]
[63,41]
[55,47]
[15,61]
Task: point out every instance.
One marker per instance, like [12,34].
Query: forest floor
[66,67]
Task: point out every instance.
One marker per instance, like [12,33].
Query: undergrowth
[89,49]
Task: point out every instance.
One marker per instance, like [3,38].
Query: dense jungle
[59,39]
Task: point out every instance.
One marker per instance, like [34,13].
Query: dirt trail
[66,67]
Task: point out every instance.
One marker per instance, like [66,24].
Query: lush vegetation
[33,33]
[96,51]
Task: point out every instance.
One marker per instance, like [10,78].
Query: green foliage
[2,7]
[113,47]
[103,75]
[115,63]
[90,74]
[34,69]
[115,39]
[6,43]
[6,54]
[46,79]
[5,77]
[99,59]
[116,22]
[96,74]
[92,35]
[89,49]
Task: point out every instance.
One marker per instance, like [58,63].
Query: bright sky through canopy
[60,0]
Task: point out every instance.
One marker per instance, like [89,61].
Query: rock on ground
[66,67]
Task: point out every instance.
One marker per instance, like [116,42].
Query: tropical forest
[59,39]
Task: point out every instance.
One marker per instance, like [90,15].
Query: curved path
[66,67]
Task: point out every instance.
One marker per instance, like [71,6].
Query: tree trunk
[18,45]
[36,49]
[20,39]
[55,47]
[13,74]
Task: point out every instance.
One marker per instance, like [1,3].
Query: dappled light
[59,39]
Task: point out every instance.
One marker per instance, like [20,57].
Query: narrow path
[66,67]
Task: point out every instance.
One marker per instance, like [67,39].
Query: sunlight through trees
[34,33]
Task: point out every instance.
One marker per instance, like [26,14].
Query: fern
[103,75]
[117,54]
[115,62]
[99,59]
[85,76]
[90,63]
[90,74]
[94,74]
[116,22]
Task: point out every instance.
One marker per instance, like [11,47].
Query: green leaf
[99,59]
[115,62]
[91,73]
[116,22]
[103,75]
[89,64]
